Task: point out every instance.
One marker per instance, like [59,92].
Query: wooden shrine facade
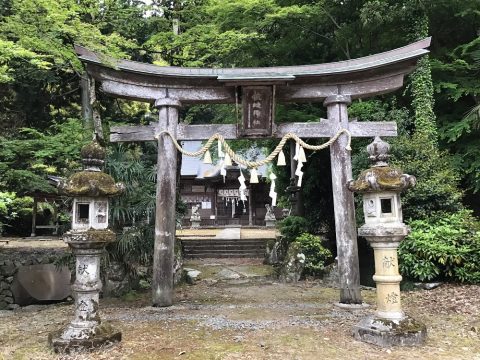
[257,90]
[219,202]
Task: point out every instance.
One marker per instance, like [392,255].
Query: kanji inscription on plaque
[257,111]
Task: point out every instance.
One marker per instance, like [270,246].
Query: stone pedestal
[270,223]
[195,223]
[390,332]
[86,329]
[389,326]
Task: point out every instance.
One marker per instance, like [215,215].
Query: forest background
[42,126]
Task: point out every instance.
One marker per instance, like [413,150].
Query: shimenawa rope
[255,164]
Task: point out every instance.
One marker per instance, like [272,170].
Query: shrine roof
[279,73]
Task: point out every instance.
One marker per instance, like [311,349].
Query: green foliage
[437,182]
[25,161]
[458,89]
[133,248]
[422,102]
[133,213]
[130,166]
[292,227]
[443,248]
[316,255]
[10,53]
[12,206]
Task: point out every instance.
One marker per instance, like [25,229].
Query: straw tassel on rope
[207,158]
[227,160]
[272,192]
[253,176]
[281,159]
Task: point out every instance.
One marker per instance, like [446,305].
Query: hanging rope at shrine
[230,155]
[204,150]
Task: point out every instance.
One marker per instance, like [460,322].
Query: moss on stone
[404,326]
[92,183]
[93,150]
[381,178]
[86,238]
[104,235]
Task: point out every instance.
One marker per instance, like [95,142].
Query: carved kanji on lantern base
[384,230]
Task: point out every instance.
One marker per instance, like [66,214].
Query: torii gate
[336,84]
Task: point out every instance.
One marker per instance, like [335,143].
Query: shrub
[443,248]
[316,255]
[292,227]
[11,207]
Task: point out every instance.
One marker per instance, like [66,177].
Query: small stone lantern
[195,219]
[384,229]
[270,219]
[90,189]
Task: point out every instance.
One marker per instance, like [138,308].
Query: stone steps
[223,248]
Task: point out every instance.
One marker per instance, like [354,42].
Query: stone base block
[194,224]
[270,223]
[104,334]
[351,306]
[385,332]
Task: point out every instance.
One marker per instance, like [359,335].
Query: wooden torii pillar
[336,84]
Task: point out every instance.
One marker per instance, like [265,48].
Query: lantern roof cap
[380,176]
[93,155]
[92,181]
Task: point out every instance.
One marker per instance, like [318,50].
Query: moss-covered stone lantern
[380,186]
[90,189]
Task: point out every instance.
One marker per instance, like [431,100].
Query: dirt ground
[252,317]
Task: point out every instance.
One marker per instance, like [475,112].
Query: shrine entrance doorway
[256,90]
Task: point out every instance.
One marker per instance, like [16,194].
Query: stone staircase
[224,248]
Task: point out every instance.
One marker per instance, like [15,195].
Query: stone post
[384,230]
[34,217]
[87,239]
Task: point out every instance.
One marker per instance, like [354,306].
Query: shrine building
[218,198]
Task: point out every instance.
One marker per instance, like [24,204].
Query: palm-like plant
[133,213]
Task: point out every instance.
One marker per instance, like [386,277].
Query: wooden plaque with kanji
[257,106]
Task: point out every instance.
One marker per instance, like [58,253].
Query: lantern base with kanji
[86,330]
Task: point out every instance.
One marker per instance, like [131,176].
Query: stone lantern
[90,189]
[380,186]
[195,219]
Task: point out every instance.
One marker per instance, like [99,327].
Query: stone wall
[24,253]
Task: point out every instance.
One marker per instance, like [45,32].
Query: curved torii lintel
[360,78]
